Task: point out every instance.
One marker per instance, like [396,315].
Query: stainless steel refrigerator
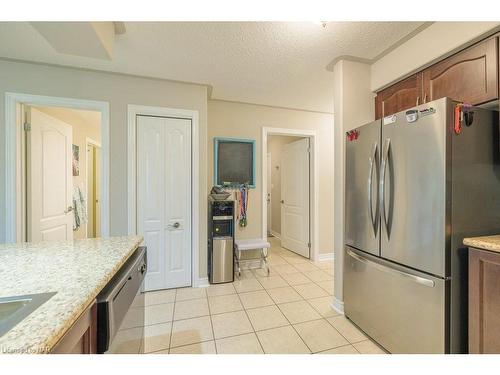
[414,189]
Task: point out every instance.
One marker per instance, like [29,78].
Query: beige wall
[354,106]
[439,39]
[119,91]
[85,124]
[227,119]
[275,145]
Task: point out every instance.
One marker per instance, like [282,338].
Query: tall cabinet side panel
[475,208]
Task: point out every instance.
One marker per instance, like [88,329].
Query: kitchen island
[484,294]
[76,271]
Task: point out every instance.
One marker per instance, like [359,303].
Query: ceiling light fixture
[119,27]
[321,23]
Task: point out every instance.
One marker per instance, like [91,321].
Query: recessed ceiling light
[119,27]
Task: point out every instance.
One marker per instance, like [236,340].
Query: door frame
[13,155]
[92,142]
[314,181]
[133,111]
[269,209]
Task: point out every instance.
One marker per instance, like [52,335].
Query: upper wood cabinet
[81,337]
[400,96]
[469,76]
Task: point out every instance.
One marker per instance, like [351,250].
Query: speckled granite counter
[77,270]
[491,243]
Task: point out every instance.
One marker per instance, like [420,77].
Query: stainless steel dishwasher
[120,309]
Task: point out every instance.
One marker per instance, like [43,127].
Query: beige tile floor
[286,312]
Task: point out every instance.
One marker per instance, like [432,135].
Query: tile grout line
[352,343]
[338,347]
[254,276]
[308,304]
[307,346]
[251,324]
[172,325]
[211,322]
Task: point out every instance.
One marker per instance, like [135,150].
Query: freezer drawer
[402,309]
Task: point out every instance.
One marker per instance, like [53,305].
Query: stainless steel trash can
[222,264]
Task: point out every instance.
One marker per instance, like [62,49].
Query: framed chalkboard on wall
[234,162]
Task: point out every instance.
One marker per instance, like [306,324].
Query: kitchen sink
[15,308]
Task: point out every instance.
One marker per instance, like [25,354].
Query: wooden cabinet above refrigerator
[400,96]
[469,76]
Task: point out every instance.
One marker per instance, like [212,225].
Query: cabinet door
[81,338]
[400,96]
[470,76]
[484,302]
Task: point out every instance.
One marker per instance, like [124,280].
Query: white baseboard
[326,256]
[275,234]
[338,305]
[202,282]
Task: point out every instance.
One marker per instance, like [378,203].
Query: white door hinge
[27,126]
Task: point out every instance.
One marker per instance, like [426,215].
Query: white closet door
[295,197]
[49,179]
[164,199]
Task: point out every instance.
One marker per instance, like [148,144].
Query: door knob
[282,201]
[69,209]
[175,225]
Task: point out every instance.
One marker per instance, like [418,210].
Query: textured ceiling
[272,63]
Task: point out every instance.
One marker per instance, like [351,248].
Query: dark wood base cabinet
[81,338]
[484,302]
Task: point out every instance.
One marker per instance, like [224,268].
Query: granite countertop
[491,243]
[77,270]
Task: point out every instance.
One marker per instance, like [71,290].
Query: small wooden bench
[242,246]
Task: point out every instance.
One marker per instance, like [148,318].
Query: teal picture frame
[217,142]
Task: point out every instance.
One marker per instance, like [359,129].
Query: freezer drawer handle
[385,157]
[417,279]
[371,162]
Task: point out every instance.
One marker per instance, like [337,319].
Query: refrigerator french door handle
[418,279]
[385,157]
[371,162]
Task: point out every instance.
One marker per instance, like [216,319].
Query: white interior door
[164,199]
[295,199]
[49,178]
[269,196]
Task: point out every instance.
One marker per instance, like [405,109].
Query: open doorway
[16,191]
[61,180]
[289,191]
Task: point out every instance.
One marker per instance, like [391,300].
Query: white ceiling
[272,63]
